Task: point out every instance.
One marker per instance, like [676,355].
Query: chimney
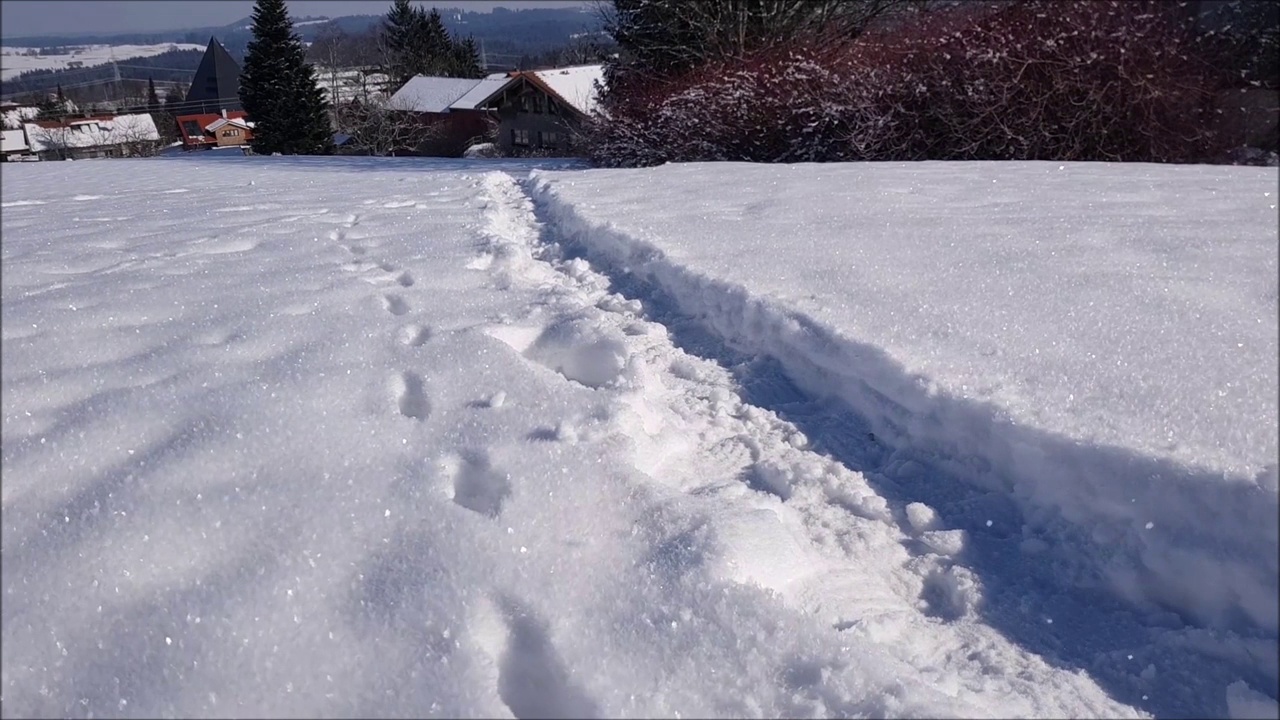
[224,113]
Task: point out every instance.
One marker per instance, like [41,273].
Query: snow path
[765,510]
[358,439]
[1049,584]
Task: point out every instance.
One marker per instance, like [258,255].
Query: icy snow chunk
[944,542]
[921,516]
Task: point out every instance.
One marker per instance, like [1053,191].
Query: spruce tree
[466,59]
[278,88]
[434,45]
[153,98]
[400,38]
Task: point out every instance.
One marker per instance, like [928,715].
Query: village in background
[459,103]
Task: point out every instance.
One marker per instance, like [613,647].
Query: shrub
[1035,80]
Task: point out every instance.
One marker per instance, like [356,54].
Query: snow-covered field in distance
[14,61]
[416,437]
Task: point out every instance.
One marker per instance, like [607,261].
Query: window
[520,137]
[547,139]
[191,129]
[526,103]
[539,104]
[233,132]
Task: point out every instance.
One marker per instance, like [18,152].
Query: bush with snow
[1037,80]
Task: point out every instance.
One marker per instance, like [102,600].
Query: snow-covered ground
[14,60]
[296,436]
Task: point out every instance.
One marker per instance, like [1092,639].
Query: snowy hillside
[444,438]
[16,60]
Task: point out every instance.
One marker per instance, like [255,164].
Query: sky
[20,18]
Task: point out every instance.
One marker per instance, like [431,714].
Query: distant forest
[509,39]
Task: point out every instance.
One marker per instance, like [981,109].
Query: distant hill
[506,36]
[526,31]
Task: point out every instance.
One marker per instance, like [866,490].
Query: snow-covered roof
[14,141]
[15,116]
[431,94]
[93,132]
[235,122]
[483,90]
[575,85]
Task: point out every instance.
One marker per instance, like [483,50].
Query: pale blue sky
[80,17]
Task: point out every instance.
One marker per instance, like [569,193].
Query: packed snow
[363,436]
[16,60]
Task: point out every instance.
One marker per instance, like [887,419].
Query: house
[216,85]
[132,135]
[202,131]
[429,99]
[13,146]
[532,111]
[540,111]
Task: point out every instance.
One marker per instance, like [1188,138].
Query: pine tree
[153,98]
[278,88]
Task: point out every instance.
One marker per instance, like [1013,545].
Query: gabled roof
[576,85]
[239,122]
[425,93]
[483,92]
[216,85]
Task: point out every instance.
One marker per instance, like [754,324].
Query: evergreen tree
[61,98]
[466,59]
[434,45]
[278,88]
[153,98]
[400,33]
[51,108]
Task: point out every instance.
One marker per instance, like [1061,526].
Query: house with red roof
[204,131]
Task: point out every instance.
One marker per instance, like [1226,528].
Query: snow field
[366,437]
[14,63]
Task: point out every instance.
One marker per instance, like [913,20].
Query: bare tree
[383,128]
[135,135]
[330,53]
[56,142]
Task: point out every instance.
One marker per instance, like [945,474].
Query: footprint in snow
[411,395]
[413,335]
[395,304]
[532,678]
[477,485]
